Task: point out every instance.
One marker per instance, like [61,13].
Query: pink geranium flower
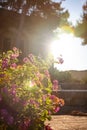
[14,65]
[26,60]
[55,85]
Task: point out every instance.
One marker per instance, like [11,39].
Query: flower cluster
[26,99]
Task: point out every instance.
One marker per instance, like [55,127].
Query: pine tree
[32,21]
[81,28]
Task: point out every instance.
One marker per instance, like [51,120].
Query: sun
[62,45]
[65,45]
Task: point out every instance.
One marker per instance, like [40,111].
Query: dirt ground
[68,122]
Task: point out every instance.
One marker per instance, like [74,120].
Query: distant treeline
[68,76]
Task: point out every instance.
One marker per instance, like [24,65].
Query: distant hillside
[78,75]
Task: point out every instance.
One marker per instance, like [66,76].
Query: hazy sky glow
[73,53]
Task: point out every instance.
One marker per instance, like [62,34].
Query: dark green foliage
[61,76]
[35,7]
[81,27]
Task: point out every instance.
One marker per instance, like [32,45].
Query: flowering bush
[26,99]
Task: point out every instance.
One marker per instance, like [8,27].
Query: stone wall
[75,97]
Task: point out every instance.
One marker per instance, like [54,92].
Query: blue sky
[75,56]
[74,7]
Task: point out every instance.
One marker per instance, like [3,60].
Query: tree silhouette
[81,27]
[32,22]
[43,8]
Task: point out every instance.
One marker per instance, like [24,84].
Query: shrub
[26,99]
